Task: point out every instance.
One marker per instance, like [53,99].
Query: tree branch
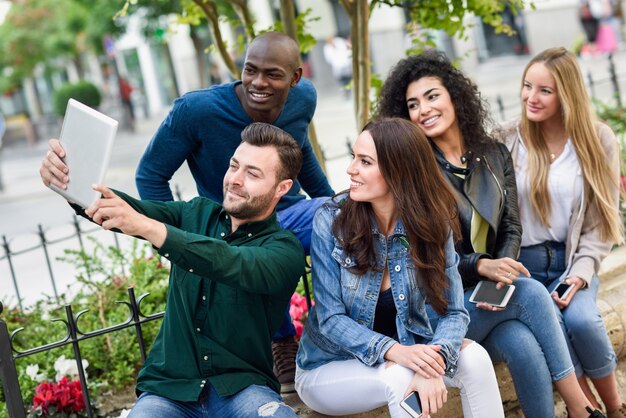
[209,8]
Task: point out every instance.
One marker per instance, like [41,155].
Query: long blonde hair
[579,121]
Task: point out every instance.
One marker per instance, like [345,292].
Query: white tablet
[87,137]
[486,291]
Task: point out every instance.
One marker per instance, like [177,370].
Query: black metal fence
[44,246]
[74,336]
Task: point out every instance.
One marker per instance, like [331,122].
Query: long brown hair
[579,122]
[423,201]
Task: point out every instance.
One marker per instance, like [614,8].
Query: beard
[249,208]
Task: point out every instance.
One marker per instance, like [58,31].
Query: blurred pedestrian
[338,54]
[126,91]
[598,20]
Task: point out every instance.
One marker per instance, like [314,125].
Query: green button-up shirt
[227,296]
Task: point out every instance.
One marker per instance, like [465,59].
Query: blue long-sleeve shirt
[204,128]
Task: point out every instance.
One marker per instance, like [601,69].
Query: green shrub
[83,91]
[104,275]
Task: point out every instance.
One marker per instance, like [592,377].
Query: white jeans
[351,387]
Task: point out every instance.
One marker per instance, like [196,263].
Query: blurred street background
[160,63]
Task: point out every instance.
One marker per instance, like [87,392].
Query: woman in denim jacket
[378,253]
[447,107]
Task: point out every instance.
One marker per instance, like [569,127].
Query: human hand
[489,307]
[53,169]
[422,359]
[432,392]
[111,211]
[501,270]
[564,303]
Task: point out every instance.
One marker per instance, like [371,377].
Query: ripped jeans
[253,401]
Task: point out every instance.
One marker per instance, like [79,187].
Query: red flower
[66,397]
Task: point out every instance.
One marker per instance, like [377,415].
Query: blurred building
[166,64]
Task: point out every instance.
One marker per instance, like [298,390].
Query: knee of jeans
[474,359]
[584,326]
[513,343]
[397,379]
[275,409]
[532,291]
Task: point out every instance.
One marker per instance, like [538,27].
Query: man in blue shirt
[204,127]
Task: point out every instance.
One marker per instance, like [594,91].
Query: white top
[338,54]
[565,185]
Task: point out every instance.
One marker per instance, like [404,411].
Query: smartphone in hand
[412,405]
[563,289]
[486,291]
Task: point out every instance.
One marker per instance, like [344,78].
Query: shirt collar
[250,228]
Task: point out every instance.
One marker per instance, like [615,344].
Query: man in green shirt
[233,271]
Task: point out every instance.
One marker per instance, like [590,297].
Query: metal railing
[44,244]
[74,336]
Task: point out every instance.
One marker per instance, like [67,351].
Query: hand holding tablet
[87,139]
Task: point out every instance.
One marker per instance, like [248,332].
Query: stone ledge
[611,302]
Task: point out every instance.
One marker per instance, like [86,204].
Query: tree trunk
[358,12]
[209,9]
[363,62]
[200,62]
[243,11]
[288,17]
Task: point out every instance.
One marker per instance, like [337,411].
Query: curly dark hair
[470,108]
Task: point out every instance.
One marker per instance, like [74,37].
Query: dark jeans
[297,218]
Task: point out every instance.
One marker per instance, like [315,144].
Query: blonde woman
[567,172]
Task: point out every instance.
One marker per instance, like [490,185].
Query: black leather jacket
[490,188]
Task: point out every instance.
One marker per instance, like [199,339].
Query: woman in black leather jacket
[525,334]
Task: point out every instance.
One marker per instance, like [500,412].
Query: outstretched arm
[111,212]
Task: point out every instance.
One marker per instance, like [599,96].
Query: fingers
[53,170]
[508,270]
[559,302]
[428,362]
[55,146]
[487,307]
[51,174]
[104,191]
[433,400]
[108,200]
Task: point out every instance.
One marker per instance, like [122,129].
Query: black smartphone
[412,405]
[563,290]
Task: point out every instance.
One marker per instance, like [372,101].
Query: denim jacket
[340,324]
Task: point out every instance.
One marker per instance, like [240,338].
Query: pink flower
[299,311]
[299,328]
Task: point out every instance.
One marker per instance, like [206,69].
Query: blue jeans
[514,343]
[581,322]
[298,218]
[526,336]
[253,401]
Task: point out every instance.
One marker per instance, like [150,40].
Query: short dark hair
[262,134]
